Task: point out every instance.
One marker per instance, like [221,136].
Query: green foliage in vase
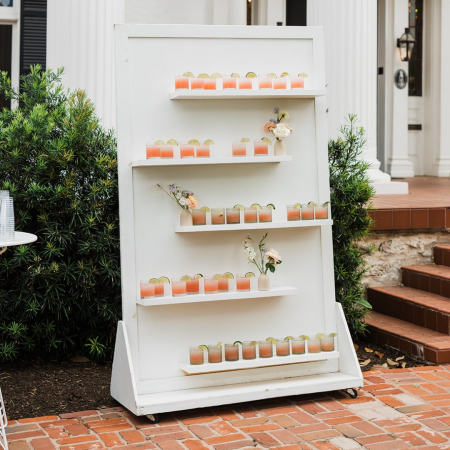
[351,193]
[61,294]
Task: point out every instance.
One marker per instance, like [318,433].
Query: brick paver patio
[399,408]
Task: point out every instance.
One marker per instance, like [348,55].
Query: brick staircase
[415,317]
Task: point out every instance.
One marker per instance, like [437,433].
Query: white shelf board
[257,362]
[209,161]
[244,392]
[233,295]
[20,238]
[235,94]
[254,226]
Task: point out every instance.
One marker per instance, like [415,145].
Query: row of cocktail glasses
[248,350]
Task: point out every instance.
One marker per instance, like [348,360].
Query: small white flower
[281,131]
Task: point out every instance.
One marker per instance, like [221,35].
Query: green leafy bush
[351,193]
[61,294]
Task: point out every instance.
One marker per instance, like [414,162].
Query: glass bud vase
[279,148]
[186,218]
[264,282]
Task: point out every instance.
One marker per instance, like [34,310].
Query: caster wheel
[352,392]
[153,418]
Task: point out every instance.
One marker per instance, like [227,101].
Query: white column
[350,30]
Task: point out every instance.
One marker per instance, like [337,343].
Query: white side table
[20,238]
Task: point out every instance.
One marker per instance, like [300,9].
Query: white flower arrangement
[276,127]
[268,258]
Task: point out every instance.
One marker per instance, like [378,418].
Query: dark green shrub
[61,294]
[351,193]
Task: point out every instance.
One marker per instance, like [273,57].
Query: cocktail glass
[210,84]
[248,350]
[196,355]
[203,151]
[231,352]
[159,289]
[147,289]
[279,83]
[264,81]
[314,346]
[261,148]
[293,213]
[297,82]
[152,151]
[214,354]
[198,217]
[211,285]
[242,283]
[327,344]
[197,83]
[181,82]
[265,215]
[217,216]
[239,148]
[187,150]
[322,211]
[265,349]
[307,212]
[178,288]
[223,284]
[166,151]
[250,215]
[233,216]
[245,83]
[229,82]
[283,347]
[192,286]
[298,346]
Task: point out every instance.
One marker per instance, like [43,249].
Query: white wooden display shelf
[225,366]
[235,94]
[254,226]
[209,161]
[233,295]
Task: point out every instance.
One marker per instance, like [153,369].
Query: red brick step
[429,278]
[412,305]
[413,339]
[442,255]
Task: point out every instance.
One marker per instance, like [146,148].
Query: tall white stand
[151,355]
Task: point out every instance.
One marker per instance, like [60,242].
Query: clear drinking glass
[265,215]
[293,213]
[264,81]
[159,289]
[327,344]
[233,216]
[307,212]
[211,285]
[297,82]
[322,211]
[203,151]
[248,350]
[196,355]
[152,151]
[181,82]
[261,148]
[178,288]
[298,346]
[228,82]
[231,352]
[242,283]
[223,284]
[245,83]
[217,216]
[279,83]
[147,289]
[166,151]
[210,84]
[282,347]
[197,83]
[265,349]
[187,150]
[214,354]
[314,346]
[193,286]
[198,217]
[239,149]
[250,215]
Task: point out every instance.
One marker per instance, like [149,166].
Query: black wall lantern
[406,45]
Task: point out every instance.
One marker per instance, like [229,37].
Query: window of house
[5,57]
[415,16]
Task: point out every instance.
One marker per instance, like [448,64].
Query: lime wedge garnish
[271,206]
[154,281]
[326,203]
[228,275]
[254,343]
[217,276]
[245,140]
[320,336]
[235,75]
[256,206]
[289,338]
[303,74]
[172,142]
[303,336]
[238,207]
[332,335]
[205,208]
[298,206]
[271,75]
[272,339]
[266,139]
[185,278]
[203,75]
[250,75]
[311,204]
[159,142]
[284,74]
[236,343]
[164,280]
[203,347]
[194,142]
[216,75]
[198,275]
[249,275]
[209,142]
[219,344]
[188,74]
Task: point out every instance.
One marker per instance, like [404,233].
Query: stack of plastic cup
[6,217]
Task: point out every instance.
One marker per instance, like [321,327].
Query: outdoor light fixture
[406,45]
